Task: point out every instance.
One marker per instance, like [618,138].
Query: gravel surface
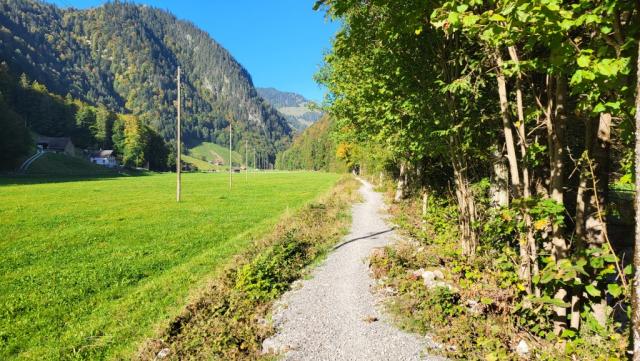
[334,315]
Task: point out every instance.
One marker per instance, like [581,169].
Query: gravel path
[333,315]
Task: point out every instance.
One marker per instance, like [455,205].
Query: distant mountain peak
[293,106]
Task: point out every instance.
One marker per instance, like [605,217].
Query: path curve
[330,316]
[27,163]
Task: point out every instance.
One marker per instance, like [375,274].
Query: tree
[635,297]
[83,136]
[103,129]
[15,141]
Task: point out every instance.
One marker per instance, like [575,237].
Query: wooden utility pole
[230,160]
[178,151]
[246,160]
[635,292]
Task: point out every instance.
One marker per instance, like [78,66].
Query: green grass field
[55,164]
[210,151]
[90,268]
[199,164]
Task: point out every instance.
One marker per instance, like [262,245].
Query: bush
[269,274]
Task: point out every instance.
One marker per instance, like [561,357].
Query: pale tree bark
[506,126]
[525,262]
[500,182]
[425,207]
[466,202]
[635,296]
[402,183]
[556,123]
[529,257]
[581,211]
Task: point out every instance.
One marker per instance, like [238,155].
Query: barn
[56,144]
[105,158]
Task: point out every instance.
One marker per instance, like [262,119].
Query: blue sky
[280,42]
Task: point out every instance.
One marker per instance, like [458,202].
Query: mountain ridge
[125,56]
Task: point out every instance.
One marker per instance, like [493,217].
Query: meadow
[93,266]
[211,151]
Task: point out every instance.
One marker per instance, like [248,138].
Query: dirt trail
[334,315]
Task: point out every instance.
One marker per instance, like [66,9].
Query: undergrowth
[229,320]
[483,315]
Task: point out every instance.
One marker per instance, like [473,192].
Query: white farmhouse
[105,158]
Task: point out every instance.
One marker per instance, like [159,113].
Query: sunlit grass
[95,265]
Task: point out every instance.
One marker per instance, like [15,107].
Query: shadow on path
[363,237]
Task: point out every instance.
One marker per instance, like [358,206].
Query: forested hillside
[314,149]
[28,107]
[125,57]
[514,122]
[294,107]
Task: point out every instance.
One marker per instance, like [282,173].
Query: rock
[439,275]
[445,285]
[418,272]
[428,277]
[163,353]
[522,349]
[269,346]
[475,307]
[430,282]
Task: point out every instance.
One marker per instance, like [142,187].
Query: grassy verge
[228,319]
[473,310]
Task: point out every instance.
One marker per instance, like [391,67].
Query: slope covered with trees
[523,112]
[29,107]
[314,149]
[125,56]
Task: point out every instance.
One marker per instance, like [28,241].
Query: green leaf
[592,291]
[553,7]
[584,61]
[607,67]
[454,18]
[470,20]
[614,289]
[628,270]
[497,17]
[546,277]
[462,8]
[549,301]
[599,108]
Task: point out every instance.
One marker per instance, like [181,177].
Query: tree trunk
[599,152]
[466,204]
[590,231]
[506,126]
[500,183]
[635,296]
[425,204]
[556,122]
[529,256]
[402,183]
